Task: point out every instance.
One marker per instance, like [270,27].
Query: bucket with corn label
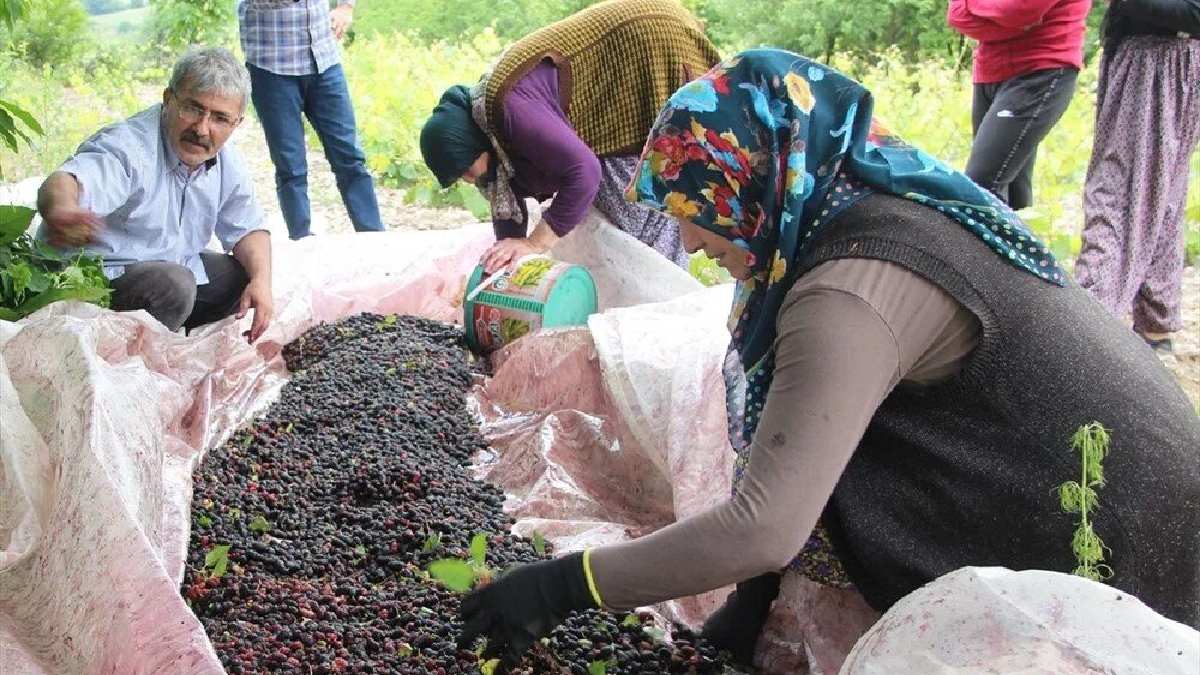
[536,293]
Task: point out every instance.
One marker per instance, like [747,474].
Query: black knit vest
[965,472]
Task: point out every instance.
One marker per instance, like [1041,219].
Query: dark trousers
[1009,120]
[324,99]
[168,292]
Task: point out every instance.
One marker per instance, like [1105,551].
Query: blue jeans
[325,101]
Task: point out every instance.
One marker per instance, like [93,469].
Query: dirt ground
[328,214]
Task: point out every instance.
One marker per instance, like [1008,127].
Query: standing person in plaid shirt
[292,54]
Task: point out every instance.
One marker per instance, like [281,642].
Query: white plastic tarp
[994,620]
[103,417]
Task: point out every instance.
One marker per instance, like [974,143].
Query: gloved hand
[735,627]
[522,606]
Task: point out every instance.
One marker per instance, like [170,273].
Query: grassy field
[125,26]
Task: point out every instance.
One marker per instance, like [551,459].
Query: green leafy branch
[1091,441]
[33,275]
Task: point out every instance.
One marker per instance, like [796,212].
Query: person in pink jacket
[1027,59]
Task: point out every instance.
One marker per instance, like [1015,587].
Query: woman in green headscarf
[916,366]
[563,115]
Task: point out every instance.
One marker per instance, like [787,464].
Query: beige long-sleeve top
[848,332]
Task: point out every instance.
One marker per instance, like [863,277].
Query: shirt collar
[173,163]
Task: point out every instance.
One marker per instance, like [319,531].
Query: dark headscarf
[450,139]
[750,151]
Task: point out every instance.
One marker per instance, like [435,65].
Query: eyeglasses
[192,113]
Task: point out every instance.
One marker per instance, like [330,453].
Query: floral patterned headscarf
[750,152]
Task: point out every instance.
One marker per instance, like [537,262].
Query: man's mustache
[191,137]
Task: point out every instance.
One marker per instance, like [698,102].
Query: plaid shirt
[288,37]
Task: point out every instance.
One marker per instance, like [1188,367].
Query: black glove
[522,606]
[735,627]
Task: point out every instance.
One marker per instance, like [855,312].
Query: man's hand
[257,296]
[339,19]
[68,224]
[522,606]
[71,226]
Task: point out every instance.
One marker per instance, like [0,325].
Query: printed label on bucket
[517,303]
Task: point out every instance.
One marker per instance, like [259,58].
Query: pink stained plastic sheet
[611,432]
[103,417]
[811,628]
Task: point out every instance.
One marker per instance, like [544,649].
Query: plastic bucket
[537,293]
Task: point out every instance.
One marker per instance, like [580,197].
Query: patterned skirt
[653,228]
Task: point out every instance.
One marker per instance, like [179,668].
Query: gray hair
[211,70]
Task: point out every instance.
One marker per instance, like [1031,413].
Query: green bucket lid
[572,300]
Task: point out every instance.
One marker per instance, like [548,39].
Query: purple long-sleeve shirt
[548,157]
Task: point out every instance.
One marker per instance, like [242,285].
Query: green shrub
[71,102]
[180,23]
[396,81]
[51,33]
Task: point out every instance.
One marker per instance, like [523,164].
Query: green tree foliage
[820,28]
[180,23]
[50,33]
[916,29]
[15,122]
[10,10]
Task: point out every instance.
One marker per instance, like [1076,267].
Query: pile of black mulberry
[313,528]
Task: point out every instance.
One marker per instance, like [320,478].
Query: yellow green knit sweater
[618,62]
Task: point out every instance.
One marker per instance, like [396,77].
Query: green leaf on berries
[539,543]
[454,574]
[217,560]
[479,549]
[260,525]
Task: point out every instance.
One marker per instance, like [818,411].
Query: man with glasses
[147,194]
[292,53]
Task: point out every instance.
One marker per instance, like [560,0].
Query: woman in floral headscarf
[916,366]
